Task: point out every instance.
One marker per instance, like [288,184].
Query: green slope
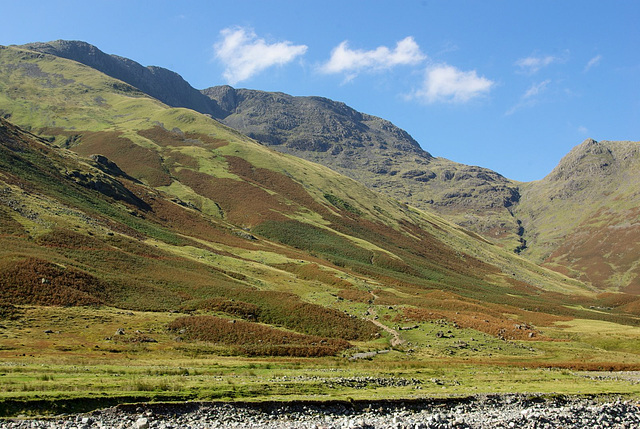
[376,153]
[385,158]
[582,219]
[366,148]
[180,151]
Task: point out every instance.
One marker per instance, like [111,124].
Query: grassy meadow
[60,359]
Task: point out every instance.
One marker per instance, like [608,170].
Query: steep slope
[374,152]
[158,82]
[385,158]
[583,218]
[72,235]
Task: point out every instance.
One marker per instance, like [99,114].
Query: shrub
[34,281]
[254,339]
[287,310]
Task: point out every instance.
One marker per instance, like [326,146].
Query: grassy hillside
[582,219]
[221,181]
[366,148]
[212,167]
[376,153]
[172,237]
[385,158]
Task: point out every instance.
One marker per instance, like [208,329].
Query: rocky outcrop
[106,186]
[308,123]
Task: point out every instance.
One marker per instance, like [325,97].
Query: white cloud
[529,98]
[583,130]
[593,62]
[536,89]
[350,61]
[533,64]
[244,54]
[446,83]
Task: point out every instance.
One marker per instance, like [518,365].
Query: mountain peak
[308,124]
[594,158]
[57,47]
[225,96]
[160,83]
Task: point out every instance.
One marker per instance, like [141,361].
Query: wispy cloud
[445,83]
[244,54]
[536,89]
[533,64]
[353,61]
[529,98]
[593,62]
[583,130]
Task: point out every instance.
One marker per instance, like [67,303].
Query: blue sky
[508,85]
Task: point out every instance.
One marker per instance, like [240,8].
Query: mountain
[364,147]
[114,198]
[150,253]
[525,217]
[583,219]
[160,83]
[376,153]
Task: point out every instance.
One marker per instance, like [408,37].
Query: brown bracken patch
[34,281]
[356,295]
[163,137]
[276,182]
[142,163]
[242,202]
[255,340]
[599,253]
[506,329]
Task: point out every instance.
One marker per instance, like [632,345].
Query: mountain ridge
[163,84]
[376,153]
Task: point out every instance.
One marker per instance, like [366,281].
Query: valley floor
[57,360]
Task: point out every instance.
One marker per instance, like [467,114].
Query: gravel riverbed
[491,411]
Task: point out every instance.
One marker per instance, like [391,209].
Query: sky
[508,85]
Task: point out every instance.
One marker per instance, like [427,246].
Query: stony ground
[495,412]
